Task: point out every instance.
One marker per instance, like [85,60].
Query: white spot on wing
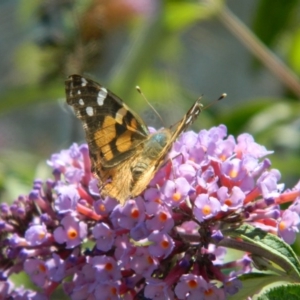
[188,119]
[89,110]
[79,92]
[101,96]
[194,108]
[83,82]
[81,102]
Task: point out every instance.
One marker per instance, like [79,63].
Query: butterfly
[124,154]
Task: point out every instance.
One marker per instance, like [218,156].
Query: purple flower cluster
[160,245]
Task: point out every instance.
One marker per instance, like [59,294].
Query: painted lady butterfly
[124,155]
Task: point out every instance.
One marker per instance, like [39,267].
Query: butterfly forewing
[112,130]
[187,119]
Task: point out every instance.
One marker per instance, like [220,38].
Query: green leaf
[19,169]
[259,115]
[236,118]
[180,15]
[31,94]
[264,245]
[253,283]
[294,57]
[289,291]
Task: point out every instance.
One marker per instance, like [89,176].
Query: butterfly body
[124,154]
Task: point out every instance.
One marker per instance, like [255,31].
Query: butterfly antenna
[224,95]
[156,112]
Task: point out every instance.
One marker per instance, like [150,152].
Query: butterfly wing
[157,147]
[113,132]
[124,155]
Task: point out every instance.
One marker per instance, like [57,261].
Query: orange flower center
[163,217]
[42,268]
[150,260]
[135,213]
[206,209]
[282,225]
[108,267]
[176,196]
[193,284]
[102,207]
[165,244]
[208,292]
[233,173]
[228,202]
[72,233]
[113,291]
[42,235]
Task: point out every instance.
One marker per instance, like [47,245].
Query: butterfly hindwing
[124,155]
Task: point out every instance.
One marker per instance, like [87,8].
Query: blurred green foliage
[274,18]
